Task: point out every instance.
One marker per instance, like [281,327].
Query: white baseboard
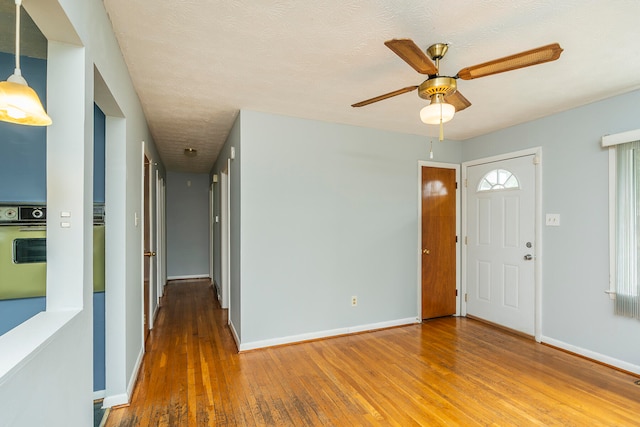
[325,334]
[621,364]
[153,317]
[123,398]
[118,399]
[97,395]
[194,276]
[234,333]
[136,371]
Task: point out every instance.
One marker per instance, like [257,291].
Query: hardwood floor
[449,371]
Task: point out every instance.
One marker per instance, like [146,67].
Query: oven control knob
[8,214]
[37,213]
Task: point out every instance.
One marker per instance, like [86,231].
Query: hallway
[451,371]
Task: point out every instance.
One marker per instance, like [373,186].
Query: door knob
[528,257]
[425,251]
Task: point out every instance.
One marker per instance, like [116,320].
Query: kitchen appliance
[23,250]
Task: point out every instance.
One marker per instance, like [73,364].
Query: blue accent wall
[99,122]
[98,342]
[23,151]
[15,311]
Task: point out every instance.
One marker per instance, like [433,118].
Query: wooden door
[438,242]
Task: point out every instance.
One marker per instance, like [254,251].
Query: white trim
[124,398]
[620,364]
[118,399]
[612,222]
[621,138]
[155,315]
[234,333]
[97,395]
[421,164]
[212,215]
[537,255]
[325,334]
[136,372]
[192,276]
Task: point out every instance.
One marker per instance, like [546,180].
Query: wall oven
[23,250]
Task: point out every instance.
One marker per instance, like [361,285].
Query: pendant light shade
[18,102]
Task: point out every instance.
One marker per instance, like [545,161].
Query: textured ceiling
[196,63]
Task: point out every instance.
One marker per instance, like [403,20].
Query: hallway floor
[449,371]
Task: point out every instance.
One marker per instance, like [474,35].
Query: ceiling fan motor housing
[440,85]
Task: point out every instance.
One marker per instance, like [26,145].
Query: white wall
[576,313]
[46,378]
[187,217]
[328,211]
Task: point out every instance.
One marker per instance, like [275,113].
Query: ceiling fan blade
[412,55]
[385,96]
[536,56]
[457,100]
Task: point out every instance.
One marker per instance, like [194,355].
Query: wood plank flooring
[449,371]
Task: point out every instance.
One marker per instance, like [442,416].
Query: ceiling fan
[442,90]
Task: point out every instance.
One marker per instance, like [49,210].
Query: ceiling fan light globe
[432,113]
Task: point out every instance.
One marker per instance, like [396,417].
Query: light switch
[553,220]
[65,214]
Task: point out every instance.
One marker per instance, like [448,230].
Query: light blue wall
[187,222]
[328,211]
[234,140]
[575,256]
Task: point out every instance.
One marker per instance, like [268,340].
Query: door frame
[456,167]
[537,224]
[225,238]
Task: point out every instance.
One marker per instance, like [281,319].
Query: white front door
[500,242]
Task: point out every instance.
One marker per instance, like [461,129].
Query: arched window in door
[498,179]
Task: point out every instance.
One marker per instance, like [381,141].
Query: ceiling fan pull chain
[441,126]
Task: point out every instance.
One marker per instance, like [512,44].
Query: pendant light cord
[18,4]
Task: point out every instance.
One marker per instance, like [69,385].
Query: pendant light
[18,102]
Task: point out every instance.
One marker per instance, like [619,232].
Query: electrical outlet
[354,301]
[553,220]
